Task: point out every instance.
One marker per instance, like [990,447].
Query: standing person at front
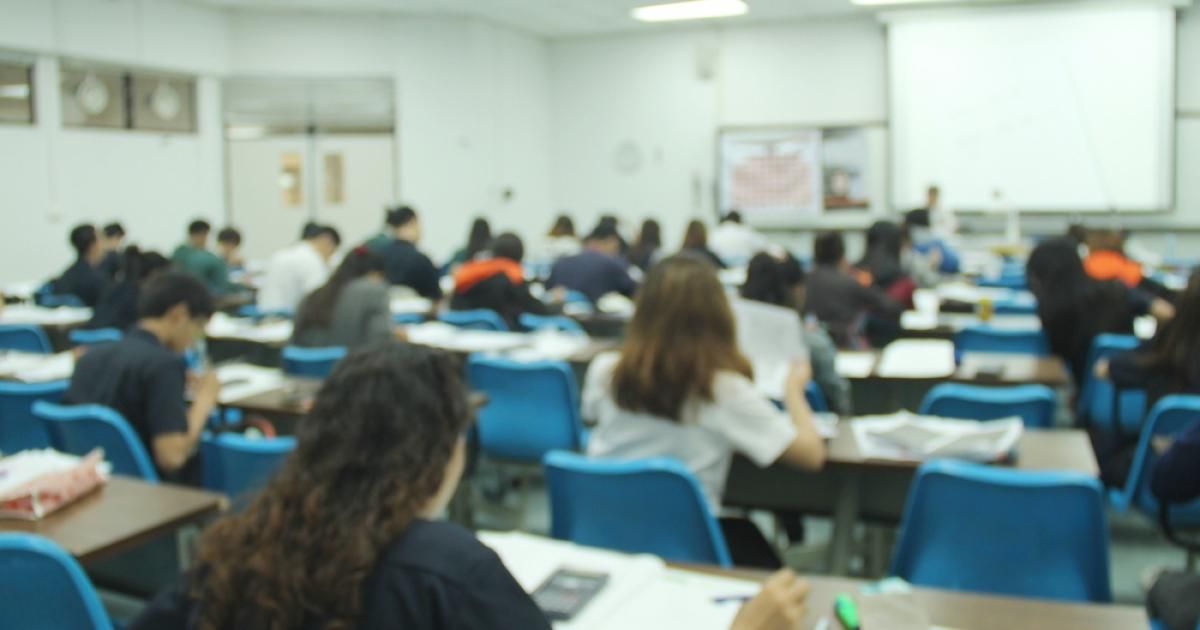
[143,376]
[403,263]
[680,388]
[194,258]
[296,270]
[83,278]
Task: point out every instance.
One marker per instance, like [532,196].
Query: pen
[846,612]
[729,599]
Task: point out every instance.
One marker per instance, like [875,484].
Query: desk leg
[845,517]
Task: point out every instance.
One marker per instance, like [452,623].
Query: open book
[906,436]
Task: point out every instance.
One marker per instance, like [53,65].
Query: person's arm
[778,606]
[1123,370]
[823,355]
[807,450]
[876,301]
[377,318]
[427,280]
[176,431]
[623,283]
[1176,475]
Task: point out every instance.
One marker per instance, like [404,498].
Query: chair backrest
[988,339]
[78,429]
[25,338]
[1035,404]
[254,312]
[638,506]
[236,465]
[1098,397]
[1009,306]
[816,397]
[477,319]
[998,530]
[45,296]
[1170,416]
[551,322]
[532,408]
[313,362]
[90,337]
[19,428]
[576,297]
[42,586]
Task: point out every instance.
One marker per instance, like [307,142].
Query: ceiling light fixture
[690,10]
[884,3]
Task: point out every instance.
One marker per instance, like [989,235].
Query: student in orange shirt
[1106,260]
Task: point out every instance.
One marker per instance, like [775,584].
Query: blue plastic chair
[533,407]
[253,312]
[1010,306]
[311,362]
[1099,399]
[19,428]
[79,429]
[91,337]
[988,339]
[638,506]
[998,530]
[1035,404]
[42,586]
[46,297]
[408,318]
[815,397]
[1170,416]
[236,465]
[477,319]
[551,322]
[24,338]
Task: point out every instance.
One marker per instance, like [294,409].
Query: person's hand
[935,258]
[557,295]
[207,387]
[1161,443]
[1162,310]
[779,606]
[799,375]
[1102,369]
[400,333]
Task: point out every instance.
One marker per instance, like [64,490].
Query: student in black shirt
[404,264]
[143,376]
[84,279]
[118,307]
[596,271]
[110,265]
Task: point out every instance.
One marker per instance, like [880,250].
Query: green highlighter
[847,612]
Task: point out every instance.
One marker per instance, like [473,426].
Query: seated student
[929,243]
[497,283]
[882,261]
[680,388]
[610,221]
[346,534]
[1106,260]
[118,307]
[297,270]
[403,263]
[838,300]
[922,268]
[110,242]
[648,248]
[478,241]
[143,376]
[735,243]
[695,243]
[352,309]
[561,240]
[83,278]
[383,237]
[781,282]
[229,243]
[194,258]
[597,270]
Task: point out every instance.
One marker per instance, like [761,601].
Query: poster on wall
[781,177]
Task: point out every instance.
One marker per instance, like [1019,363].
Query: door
[356,183]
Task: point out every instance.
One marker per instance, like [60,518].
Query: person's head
[139,266]
[1105,240]
[696,236]
[793,276]
[1054,271]
[382,446]
[316,310]
[1078,233]
[175,307]
[310,230]
[604,239]
[228,241]
[650,236]
[764,281]
[405,224]
[563,226]
[508,246]
[198,233]
[682,333]
[326,240]
[829,249]
[480,237]
[114,233]
[85,243]
[933,196]
[734,216]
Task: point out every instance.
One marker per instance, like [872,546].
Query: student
[611,222]
[83,278]
[143,376]
[929,244]
[297,270]
[839,301]
[921,267]
[118,308]
[344,535]
[597,270]
[352,309]
[561,240]
[404,265]
[695,243]
[781,282]
[385,236]
[478,242]
[680,388]
[942,221]
[497,283]
[194,258]
[229,243]
[882,260]
[646,251]
[1106,260]
[735,243]
[110,265]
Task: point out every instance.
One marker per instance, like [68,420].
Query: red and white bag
[37,482]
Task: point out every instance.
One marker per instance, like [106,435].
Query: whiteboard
[1060,109]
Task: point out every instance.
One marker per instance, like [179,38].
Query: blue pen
[729,599]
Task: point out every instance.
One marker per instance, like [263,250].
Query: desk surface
[1014,369]
[123,514]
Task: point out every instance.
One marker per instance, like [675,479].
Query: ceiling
[550,18]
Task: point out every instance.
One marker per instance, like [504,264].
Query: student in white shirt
[298,270]
[680,388]
[734,242]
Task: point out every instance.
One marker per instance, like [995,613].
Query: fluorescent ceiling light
[882,3]
[690,10]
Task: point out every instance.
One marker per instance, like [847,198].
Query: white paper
[447,337]
[685,599]
[919,320]
[616,304]
[855,364]
[410,305]
[1145,327]
[28,314]
[733,277]
[21,290]
[905,436]
[222,326]
[30,367]
[917,358]
[772,338]
[550,345]
[926,301]
[240,381]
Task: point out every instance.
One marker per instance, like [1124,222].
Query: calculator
[566,592]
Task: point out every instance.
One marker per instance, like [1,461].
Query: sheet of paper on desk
[919,320]
[855,364]
[27,314]
[409,305]
[242,380]
[550,346]
[616,304]
[906,436]
[917,358]
[684,599]
[447,337]
[37,368]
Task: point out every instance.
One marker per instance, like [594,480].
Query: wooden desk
[950,324]
[854,488]
[123,514]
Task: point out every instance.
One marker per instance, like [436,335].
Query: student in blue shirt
[84,279]
[597,270]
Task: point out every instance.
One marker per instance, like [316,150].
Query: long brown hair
[696,236]
[681,335]
[1175,349]
[370,456]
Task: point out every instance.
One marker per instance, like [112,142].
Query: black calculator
[566,592]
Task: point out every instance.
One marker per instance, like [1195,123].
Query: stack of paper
[905,436]
[226,327]
[447,337]
[240,381]
[27,314]
[855,364]
[917,358]
[412,305]
[37,368]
